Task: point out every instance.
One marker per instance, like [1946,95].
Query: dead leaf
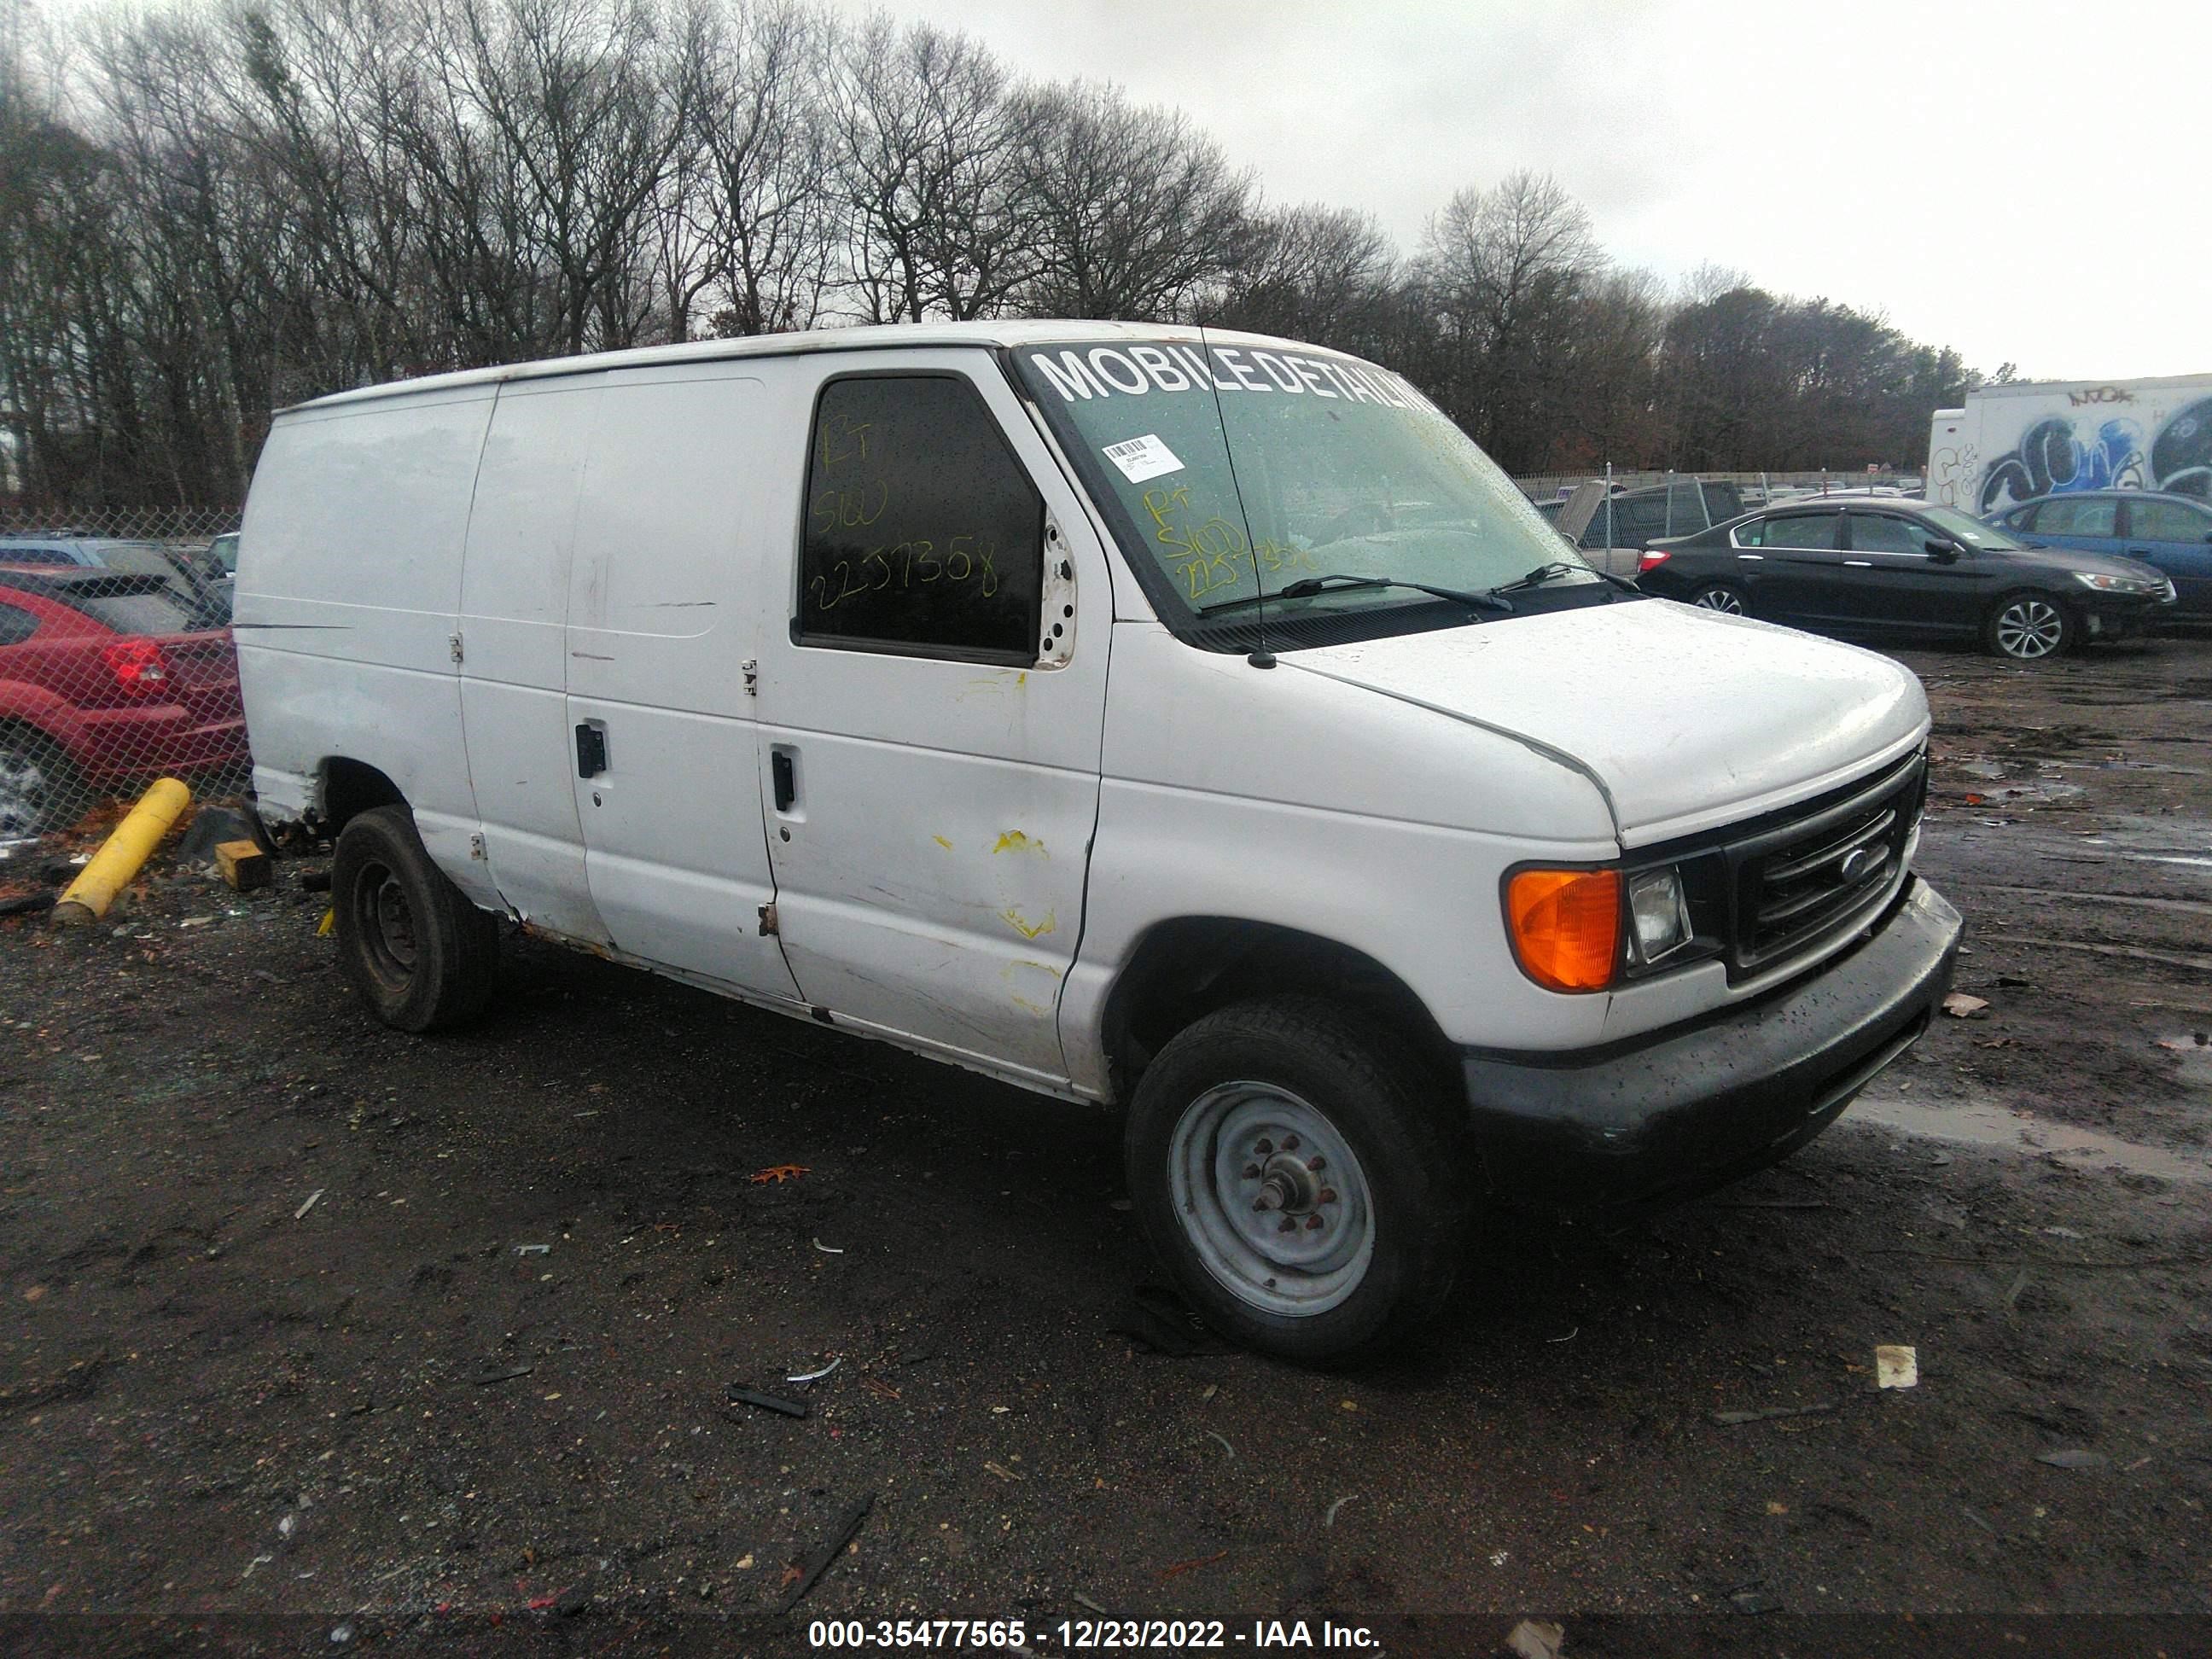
[791,1575]
[1957,1005]
[779,1173]
[1183,1567]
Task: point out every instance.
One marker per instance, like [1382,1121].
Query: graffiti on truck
[2054,457]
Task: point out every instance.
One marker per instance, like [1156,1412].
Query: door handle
[591,749]
[1752,558]
[785,779]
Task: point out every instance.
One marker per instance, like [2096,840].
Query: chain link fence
[116,668]
[1611,516]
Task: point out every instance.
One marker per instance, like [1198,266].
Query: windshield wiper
[1344,582]
[1544,573]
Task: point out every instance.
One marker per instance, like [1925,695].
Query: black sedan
[1906,569]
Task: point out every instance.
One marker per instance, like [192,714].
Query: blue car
[2174,533]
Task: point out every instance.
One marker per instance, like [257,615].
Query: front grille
[1820,871]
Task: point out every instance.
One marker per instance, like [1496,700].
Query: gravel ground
[384,1337]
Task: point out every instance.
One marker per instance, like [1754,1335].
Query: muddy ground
[478,1382]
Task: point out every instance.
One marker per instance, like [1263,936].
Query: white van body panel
[1687,725]
[930,873]
[514,602]
[664,601]
[2028,438]
[348,597]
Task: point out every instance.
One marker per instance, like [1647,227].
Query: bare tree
[1133,212]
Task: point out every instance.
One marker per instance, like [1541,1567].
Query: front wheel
[421,955]
[39,789]
[1720,597]
[1293,1170]
[2029,626]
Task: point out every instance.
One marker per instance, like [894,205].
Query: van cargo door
[664,611]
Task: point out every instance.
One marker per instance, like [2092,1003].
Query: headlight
[2105,584]
[1658,914]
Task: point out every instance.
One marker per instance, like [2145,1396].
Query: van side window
[923,534]
[16,624]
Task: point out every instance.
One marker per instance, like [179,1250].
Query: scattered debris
[816,1376]
[341,1634]
[779,1173]
[1082,1600]
[738,1394]
[1754,1601]
[1730,1420]
[1328,1520]
[1896,1367]
[2063,1232]
[1000,1470]
[1569,1337]
[828,1250]
[1179,1568]
[818,1562]
[533,1249]
[1978,1520]
[2012,1296]
[1226,1446]
[485,1378]
[2073,1457]
[1960,1006]
[314,881]
[1535,1638]
[313,1197]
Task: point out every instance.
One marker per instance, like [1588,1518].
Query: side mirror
[1944,551]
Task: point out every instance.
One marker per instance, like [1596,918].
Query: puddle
[1984,1125]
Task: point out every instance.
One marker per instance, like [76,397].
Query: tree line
[208,213]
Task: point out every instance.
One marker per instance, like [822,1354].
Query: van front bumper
[1666,1117]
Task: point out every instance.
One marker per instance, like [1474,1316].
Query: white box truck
[1197,722]
[2011,443]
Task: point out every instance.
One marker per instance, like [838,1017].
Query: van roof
[887,336]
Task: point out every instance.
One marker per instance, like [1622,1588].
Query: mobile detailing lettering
[1137,371]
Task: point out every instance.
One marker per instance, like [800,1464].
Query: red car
[106,680]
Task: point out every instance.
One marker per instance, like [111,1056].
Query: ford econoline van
[1193,721]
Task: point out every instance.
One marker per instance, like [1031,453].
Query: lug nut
[1286,1225]
[1317,1164]
[1290,1143]
[1328,1195]
[1251,1172]
[1313,1224]
[1264,1147]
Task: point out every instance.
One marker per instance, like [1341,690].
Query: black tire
[1396,1189]
[2028,626]
[1724,597]
[422,957]
[39,789]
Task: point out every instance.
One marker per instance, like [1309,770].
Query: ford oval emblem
[1858,862]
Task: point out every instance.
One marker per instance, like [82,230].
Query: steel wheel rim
[385,924]
[24,793]
[1244,1160]
[1721,600]
[2030,628]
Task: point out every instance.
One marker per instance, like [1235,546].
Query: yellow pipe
[123,852]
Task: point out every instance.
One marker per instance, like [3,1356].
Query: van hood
[1684,720]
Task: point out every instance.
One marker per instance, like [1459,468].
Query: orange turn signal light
[1565,926]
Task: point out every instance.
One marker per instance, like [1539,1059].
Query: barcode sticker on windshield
[1144,457]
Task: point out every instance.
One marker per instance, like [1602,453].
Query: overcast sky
[2028,182]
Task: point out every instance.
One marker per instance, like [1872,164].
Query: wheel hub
[1271,1199]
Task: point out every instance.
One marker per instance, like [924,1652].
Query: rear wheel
[2029,626]
[1294,1171]
[38,787]
[422,955]
[1724,597]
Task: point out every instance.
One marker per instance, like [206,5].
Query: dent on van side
[1198,723]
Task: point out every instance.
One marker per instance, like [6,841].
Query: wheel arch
[1186,967]
[345,788]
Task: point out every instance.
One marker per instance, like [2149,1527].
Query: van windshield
[1340,470]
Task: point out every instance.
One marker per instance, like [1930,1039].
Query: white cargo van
[1196,722]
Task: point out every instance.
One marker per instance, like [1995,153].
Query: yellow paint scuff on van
[1027,929]
[1015,842]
